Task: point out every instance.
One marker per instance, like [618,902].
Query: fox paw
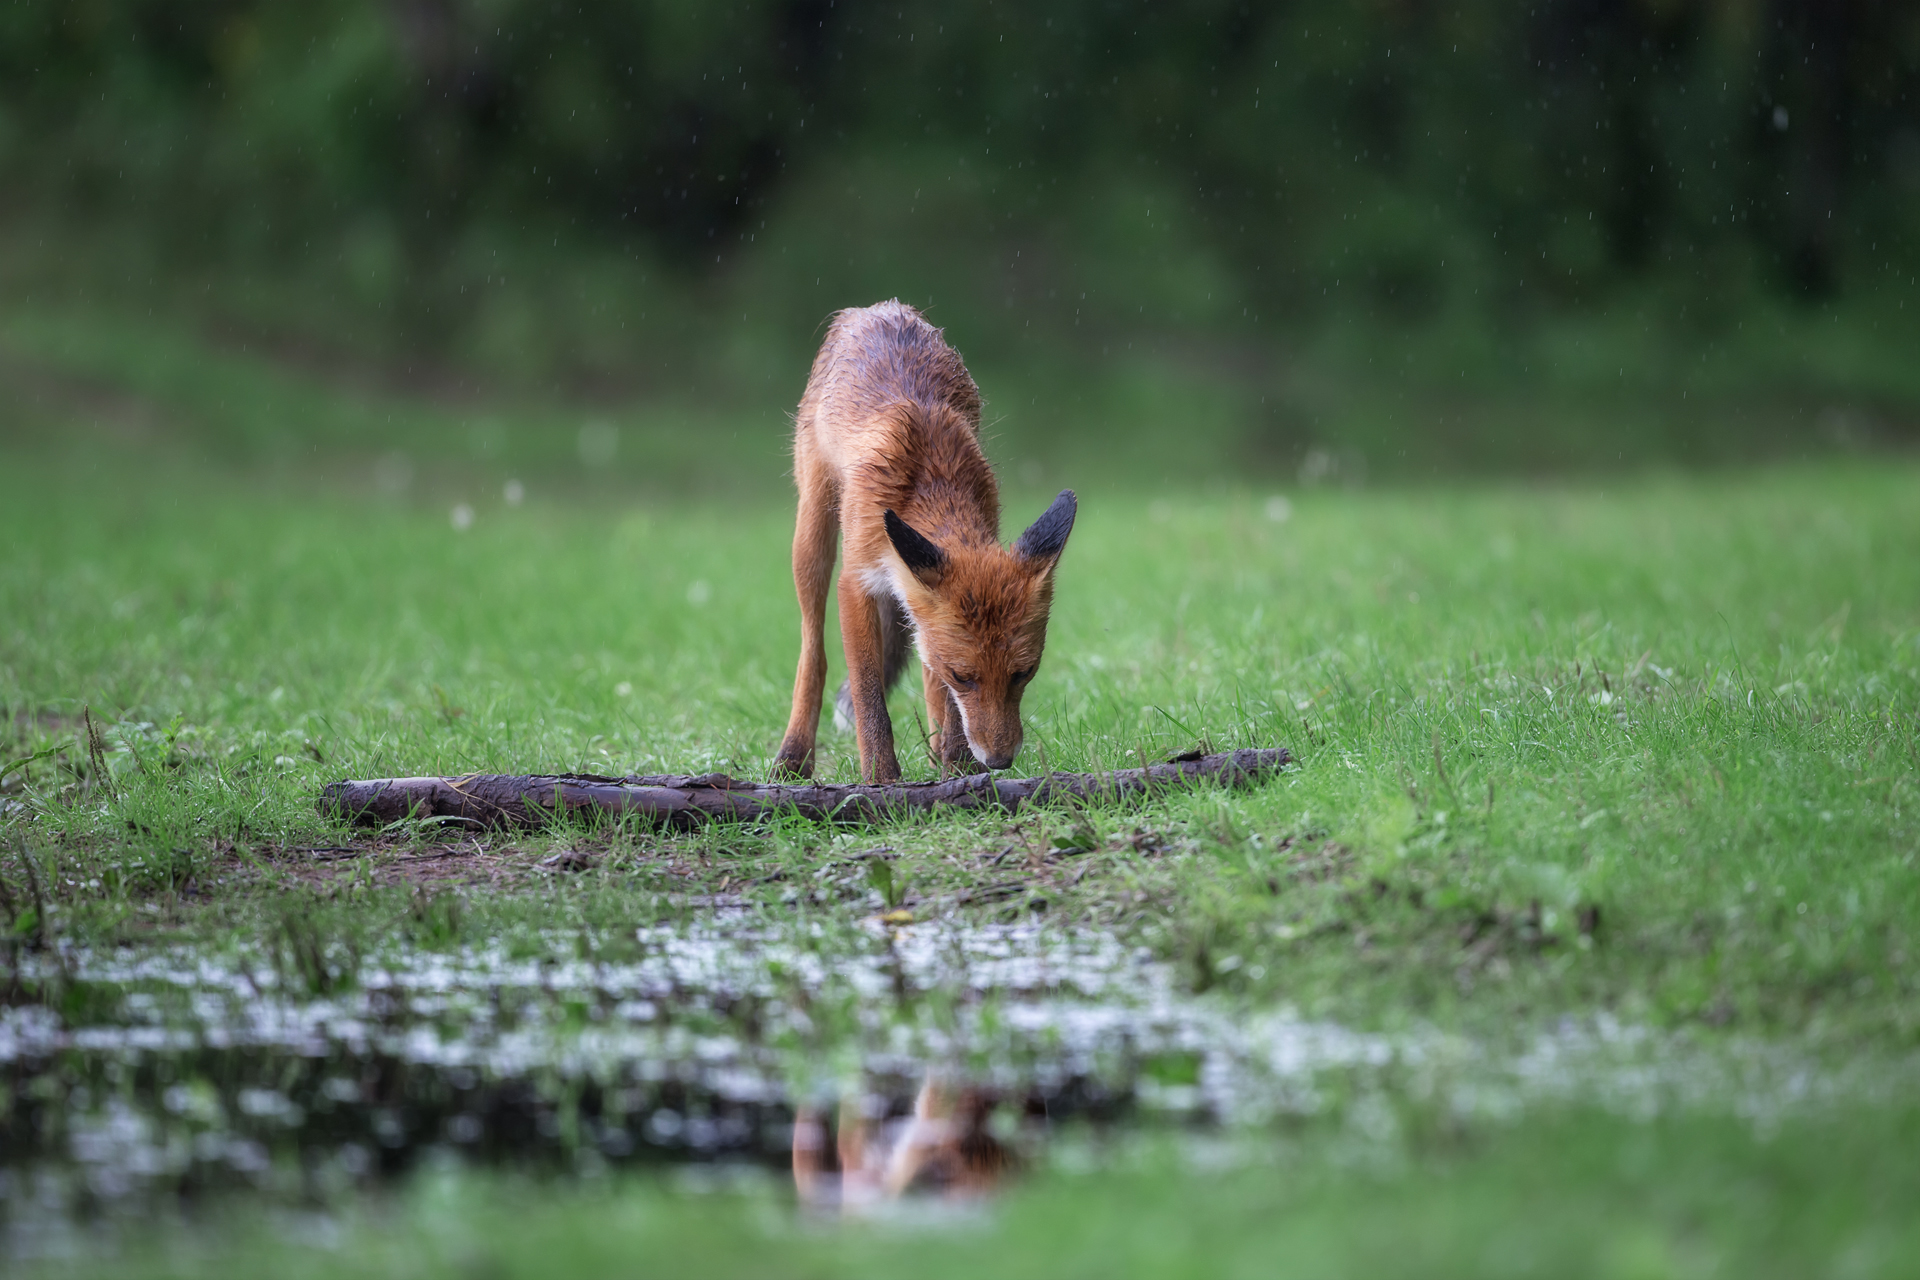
[794,765]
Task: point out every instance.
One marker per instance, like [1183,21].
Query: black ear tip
[917,552]
[1048,534]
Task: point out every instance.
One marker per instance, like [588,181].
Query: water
[159,1074]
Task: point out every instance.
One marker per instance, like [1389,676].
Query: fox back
[887,454]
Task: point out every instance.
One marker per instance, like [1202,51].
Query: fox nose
[994,759]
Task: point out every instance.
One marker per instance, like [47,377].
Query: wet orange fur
[890,422]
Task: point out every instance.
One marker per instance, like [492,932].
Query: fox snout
[992,729]
[998,756]
[990,719]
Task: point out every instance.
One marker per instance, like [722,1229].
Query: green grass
[699,373]
[1570,1194]
[1648,746]
[1678,715]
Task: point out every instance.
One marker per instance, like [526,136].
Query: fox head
[980,620]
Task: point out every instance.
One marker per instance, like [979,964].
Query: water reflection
[137,1075]
[131,1077]
[947,1146]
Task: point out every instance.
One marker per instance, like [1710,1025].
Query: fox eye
[962,682]
[1021,677]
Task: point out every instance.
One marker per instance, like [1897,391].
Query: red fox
[886,453]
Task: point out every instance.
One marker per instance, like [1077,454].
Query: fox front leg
[816,532]
[861,628]
[948,741]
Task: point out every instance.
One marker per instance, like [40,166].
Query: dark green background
[1396,233]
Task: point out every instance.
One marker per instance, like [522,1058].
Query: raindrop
[1278,509]
[462,517]
[487,438]
[515,493]
[1780,119]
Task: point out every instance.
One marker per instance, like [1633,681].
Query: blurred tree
[1548,148]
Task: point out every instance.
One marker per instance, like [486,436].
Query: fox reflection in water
[944,1149]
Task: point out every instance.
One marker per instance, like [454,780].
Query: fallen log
[679,800]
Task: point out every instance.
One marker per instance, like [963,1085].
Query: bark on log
[676,800]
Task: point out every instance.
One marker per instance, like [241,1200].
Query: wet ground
[297,1073]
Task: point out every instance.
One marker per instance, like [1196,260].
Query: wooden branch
[518,800]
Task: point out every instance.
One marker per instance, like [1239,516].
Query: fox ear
[926,561]
[1046,537]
